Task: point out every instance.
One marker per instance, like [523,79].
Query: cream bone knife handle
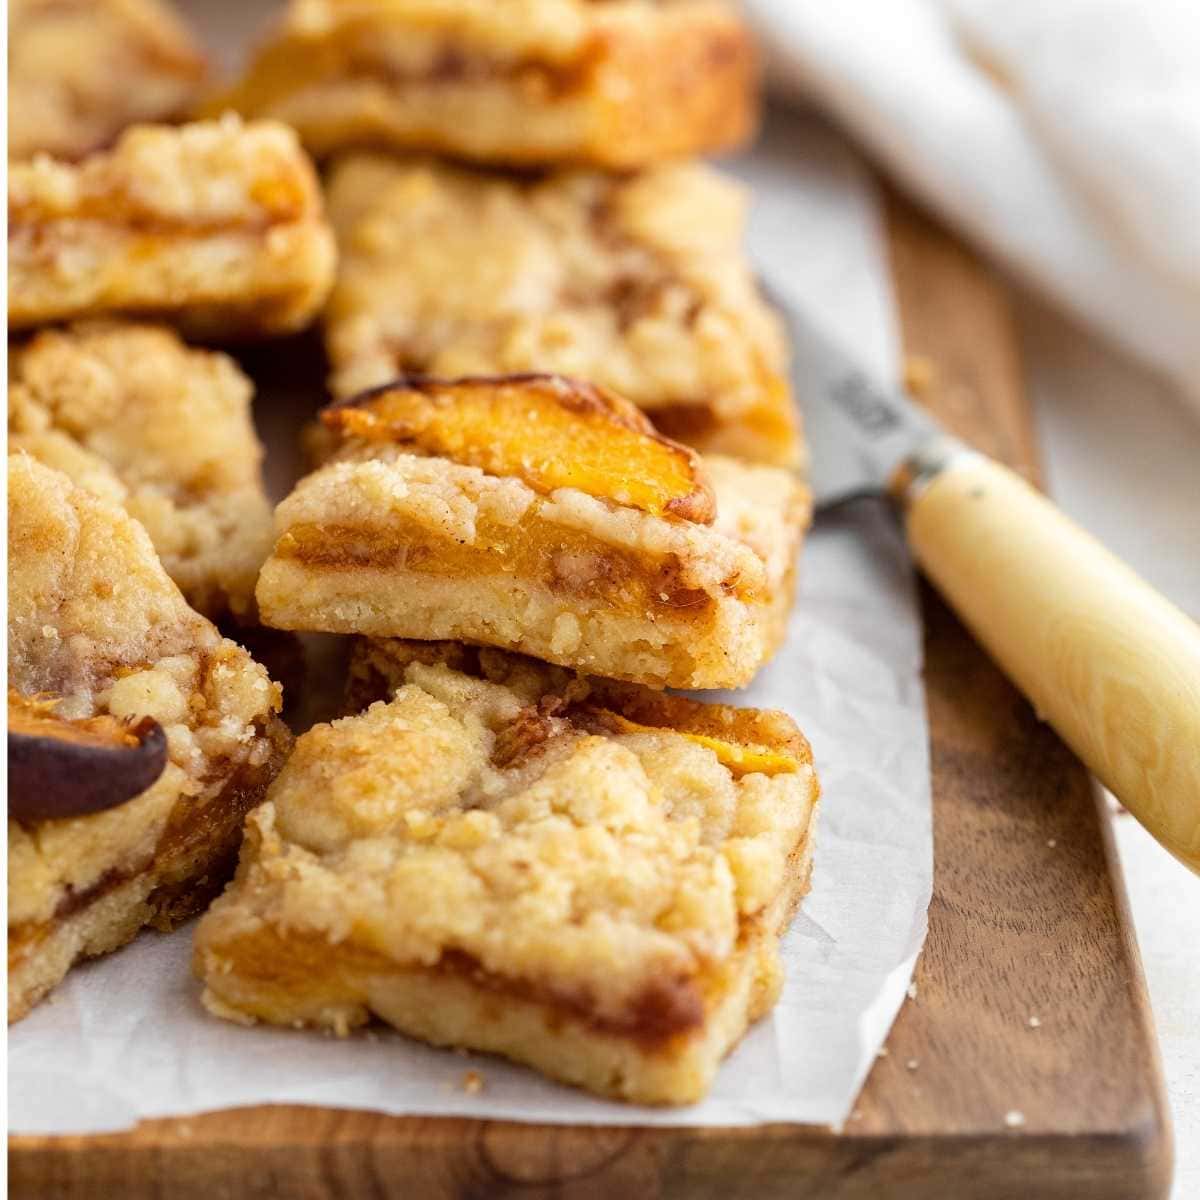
[1106,660]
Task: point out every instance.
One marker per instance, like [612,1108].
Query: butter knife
[1112,665]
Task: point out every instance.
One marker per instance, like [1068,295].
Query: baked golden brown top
[744,740]
[493,819]
[80,71]
[135,416]
[637,283]
[206,175]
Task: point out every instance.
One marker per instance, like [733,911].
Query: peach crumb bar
[638,283]
[617,84]
[138,737]
[133,415]
[216,226]
[80,71]
[586,877]
[541,515]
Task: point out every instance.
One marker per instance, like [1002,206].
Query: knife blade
[1106,660]
[863,436]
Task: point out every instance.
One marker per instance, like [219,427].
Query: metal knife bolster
[919,469]
[864,437]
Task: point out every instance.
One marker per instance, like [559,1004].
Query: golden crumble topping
[135,416]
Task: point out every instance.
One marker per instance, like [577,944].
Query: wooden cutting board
[1029,994]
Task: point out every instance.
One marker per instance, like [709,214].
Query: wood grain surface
[1028,921]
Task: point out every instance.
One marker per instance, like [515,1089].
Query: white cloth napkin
[1063,137]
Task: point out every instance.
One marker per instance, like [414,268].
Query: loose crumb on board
[1052,842]
[912,991]
[1014,1118]
[1035,1022]
[883,1052]
[912,1064]
[919,374]
[472,1083]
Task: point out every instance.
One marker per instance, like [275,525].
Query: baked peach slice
[737,759]
[746,741]
[59,768]
[548,431]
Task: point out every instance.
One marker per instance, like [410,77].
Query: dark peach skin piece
[59,768]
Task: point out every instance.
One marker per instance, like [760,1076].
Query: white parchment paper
[125,1037]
